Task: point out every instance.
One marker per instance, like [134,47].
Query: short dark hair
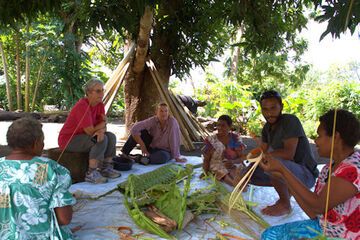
[23,133]
[161,104]
[226,118]
[271,94]
[347,125]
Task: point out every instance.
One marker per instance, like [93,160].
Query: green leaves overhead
[267,25]
[341,15]
[12,11]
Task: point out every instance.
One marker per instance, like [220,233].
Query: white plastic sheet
[97,217]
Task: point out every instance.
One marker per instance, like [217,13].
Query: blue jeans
[157,155]
[294,230]
[299,171]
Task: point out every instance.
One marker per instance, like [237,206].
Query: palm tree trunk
[37,83]
[6,74]
[27,70]
[18,72]
[134,79]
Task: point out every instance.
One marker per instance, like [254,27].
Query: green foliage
[231,98]
[281,68]
[340,15]
[54,62]
[338,88]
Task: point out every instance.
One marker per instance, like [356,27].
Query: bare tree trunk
[18,73]
[236,53]
[6,74]
[134,79]
[27,70]
[37,82]
[141,93]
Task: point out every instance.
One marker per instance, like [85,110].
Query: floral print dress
[344,219]
[222,152]
[29,192]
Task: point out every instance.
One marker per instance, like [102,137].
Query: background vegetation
[50,48]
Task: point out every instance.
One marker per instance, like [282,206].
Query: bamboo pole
[165,96]
[118,69]
[187,123]
[199,127]
[116,89]
[112,89]
[6,74]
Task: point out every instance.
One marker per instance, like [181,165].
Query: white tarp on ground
[97,217]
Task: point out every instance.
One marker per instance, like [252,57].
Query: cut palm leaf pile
[163,175]
[172,204]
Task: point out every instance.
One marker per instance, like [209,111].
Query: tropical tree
[177,35]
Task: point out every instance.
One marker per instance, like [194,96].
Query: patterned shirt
[29,192]
[344,219]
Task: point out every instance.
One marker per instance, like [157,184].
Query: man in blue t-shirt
[284,138]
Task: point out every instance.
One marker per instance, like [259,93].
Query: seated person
[34,190]
[85,131]
[343,215]
[221,151]
[158,137]
[283,136]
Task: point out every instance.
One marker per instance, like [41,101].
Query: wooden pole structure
[189,146]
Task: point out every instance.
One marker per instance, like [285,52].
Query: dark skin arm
[64,215]
[286,153]
[207,158]
[312,203]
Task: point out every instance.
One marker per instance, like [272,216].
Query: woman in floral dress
[343,216]
[222,151]
[34,199]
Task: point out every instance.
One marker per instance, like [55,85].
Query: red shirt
[81,116]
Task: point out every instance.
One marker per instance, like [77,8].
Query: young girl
[221,151]
[343,216]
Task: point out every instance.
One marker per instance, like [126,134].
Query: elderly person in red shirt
[158,137]
[85,131]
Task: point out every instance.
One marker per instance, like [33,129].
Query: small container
[122,164]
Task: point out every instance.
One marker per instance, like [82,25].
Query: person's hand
[270,164]
[144,151]
[181,160]
[99,135]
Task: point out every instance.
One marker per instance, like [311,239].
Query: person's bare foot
[278,209]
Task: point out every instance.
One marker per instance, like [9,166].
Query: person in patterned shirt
[35,202]
[343,216]
[223,153]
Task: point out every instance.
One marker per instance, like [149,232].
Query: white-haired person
[35,201]
[85,131]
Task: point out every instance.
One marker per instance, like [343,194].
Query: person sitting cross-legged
[158,137]
[223,153]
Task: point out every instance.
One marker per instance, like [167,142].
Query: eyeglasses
[98,91]
[270,94]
